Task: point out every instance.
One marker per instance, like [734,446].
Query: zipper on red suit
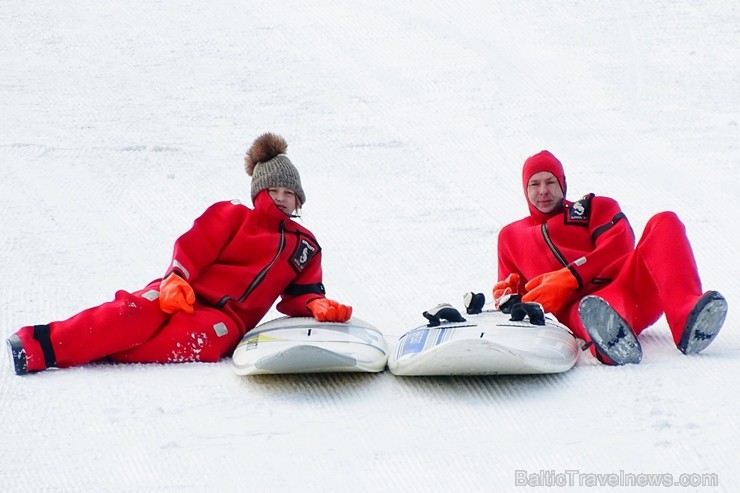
[261,275]
[561,257]
[553,248]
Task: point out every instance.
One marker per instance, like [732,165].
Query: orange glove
[504,288]
[176,294]
[326,310]
[550,289]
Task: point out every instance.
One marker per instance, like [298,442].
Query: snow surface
[409,121]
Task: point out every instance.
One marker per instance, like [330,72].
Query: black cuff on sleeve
[299,289]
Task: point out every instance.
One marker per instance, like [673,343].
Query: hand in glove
[326,310]
[551,289]
[176,294]
[503,289]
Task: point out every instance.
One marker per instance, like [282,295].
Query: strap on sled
[442,311]
[474,302]
[532,310]
[513,300]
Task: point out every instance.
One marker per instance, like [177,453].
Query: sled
[488,343]
[305,345]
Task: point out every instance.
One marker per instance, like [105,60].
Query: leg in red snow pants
[131,328]
[660,276]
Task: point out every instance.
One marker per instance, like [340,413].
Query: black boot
[17,355]
[610,333]
[704,322]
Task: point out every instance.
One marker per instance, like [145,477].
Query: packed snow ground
[409,121]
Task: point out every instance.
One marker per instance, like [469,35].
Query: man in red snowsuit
[225,274]
[579,260]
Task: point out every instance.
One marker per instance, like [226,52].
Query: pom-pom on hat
[268,166]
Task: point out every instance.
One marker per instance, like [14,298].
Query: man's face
[543,192]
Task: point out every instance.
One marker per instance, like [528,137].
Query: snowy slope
[409,121]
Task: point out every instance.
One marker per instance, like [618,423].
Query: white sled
[304,345]
[486,344]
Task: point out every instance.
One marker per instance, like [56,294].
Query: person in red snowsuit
[225,274]
[579,261]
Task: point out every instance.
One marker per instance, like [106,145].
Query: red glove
[176,294]
[504,288]
[550,289]
[326,310]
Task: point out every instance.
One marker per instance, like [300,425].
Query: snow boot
[31,350]
[610,333]
[17,355]
[704,322]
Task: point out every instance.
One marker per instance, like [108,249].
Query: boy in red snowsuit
[579,260]
[225,274]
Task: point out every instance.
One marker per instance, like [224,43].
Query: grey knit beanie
[268,166]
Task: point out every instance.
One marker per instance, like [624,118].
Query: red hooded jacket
[590,236]
[241,260]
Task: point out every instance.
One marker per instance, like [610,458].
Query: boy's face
[284,199]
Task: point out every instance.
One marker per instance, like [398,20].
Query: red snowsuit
[238,261]
[594,240]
